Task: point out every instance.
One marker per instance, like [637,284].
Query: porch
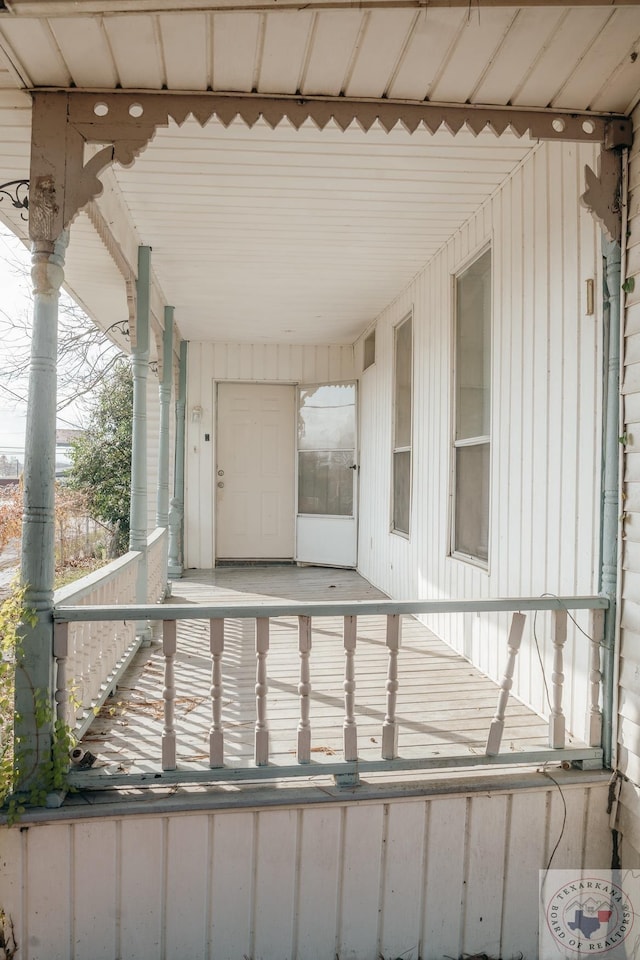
[357,689]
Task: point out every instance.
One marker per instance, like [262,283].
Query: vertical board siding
[209,363]
[628,754]
[428,877]
[546,425]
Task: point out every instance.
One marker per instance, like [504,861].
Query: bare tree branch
[85,354]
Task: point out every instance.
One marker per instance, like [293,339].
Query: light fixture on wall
[196,414]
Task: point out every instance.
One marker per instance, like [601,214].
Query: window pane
[473,349]
[472,501]
[402,435]
[325,482]
[327,417]
[401,490]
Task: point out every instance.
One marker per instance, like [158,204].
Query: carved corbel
[61,182]
[603,196]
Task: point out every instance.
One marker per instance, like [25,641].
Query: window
[401,481]
[472,440]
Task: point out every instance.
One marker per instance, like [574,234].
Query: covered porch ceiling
[298,235]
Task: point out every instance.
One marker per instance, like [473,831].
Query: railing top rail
[156,535]
[98,578]
[333,608]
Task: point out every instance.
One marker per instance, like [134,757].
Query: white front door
[327,475]
[255,472]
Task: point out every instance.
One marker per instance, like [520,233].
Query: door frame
[294,385]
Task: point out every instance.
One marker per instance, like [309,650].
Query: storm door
[327,475]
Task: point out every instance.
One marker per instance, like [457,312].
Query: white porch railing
[223,767]
[91,655]
[157,560]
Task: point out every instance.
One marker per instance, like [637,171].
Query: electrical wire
[545,773]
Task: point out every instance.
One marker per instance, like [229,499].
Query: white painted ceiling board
[451,55]
[383,40]
[623,86]
[530,32]
[477,43]
[613,44]
[32,43]
[235,42]
[334,40]
[431,38]
[268,231]
[84,46]
[561,56]
[590,78]
[185,40]
[136,50]
[286,40]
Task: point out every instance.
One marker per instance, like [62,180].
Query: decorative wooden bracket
[603,194]
[62,183]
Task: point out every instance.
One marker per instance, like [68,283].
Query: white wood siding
[423,877]
[628,759]
[209,363]
[545,426]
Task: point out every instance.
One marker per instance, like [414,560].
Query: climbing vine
[44,774]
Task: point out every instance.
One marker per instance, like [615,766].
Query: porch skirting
[430,871]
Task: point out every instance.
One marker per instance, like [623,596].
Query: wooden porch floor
[444,706]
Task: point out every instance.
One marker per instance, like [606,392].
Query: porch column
[140,368]
[176,514]
[610,474]
[162,506]
[34,673]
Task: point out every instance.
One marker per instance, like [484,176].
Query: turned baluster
[557,719]
[497,724]
[304,689]
[216,734]
[169,646]
[349,728]
[262,729]
[595,678]
[390,725]
[61,652]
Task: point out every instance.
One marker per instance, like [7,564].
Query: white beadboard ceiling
[305,235]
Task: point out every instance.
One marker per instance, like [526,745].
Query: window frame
[402,448]
[484,439]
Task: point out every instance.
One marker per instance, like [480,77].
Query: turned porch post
[35,663]
[140,368]
[176,514]
[162,506]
